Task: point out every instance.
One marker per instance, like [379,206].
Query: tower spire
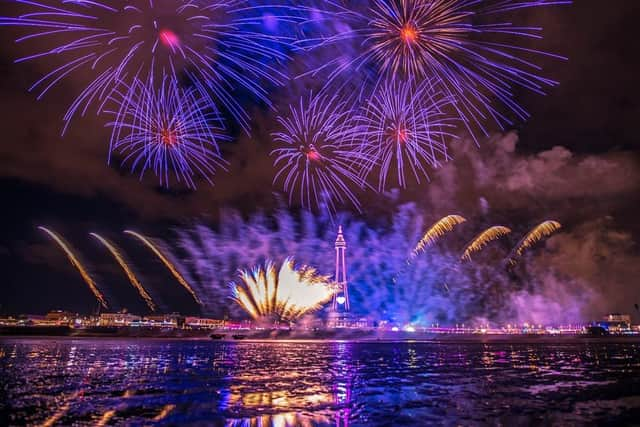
[341,297]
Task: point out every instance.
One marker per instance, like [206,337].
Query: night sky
[64,181]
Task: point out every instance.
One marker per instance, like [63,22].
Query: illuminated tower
[341,297]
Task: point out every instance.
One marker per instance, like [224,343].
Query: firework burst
[218,46]
[319,161]
[285,294]
[479,56]
[170,130]
[404,127]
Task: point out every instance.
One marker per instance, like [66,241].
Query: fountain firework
[285,294]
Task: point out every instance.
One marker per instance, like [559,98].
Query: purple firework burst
[406,127]
[218,46]
[170,129]
[319,162]
[480,56]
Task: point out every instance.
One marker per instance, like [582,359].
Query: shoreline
[382,337]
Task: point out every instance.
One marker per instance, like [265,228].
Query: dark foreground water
[147,382]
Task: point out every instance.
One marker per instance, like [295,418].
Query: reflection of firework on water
[125,267]
[218,45]
[168,130]
[405,128]
[166,410]
[318,161]
[483,239]
[436,231]
[471,46]
[285,419]
[287,294]
[540,231]
[172,268]
[77,264]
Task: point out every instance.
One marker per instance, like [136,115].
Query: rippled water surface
[146,382]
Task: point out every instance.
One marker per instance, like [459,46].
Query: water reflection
[104,382]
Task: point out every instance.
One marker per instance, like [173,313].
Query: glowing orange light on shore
[409,33]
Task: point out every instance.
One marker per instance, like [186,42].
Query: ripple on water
[100,382]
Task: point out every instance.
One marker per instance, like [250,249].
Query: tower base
[337,320]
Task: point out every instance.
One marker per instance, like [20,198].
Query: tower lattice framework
[340,300]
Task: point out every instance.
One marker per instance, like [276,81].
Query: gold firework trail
[172,268]
[436,231]
[127,270]
[76,263]
[539,232]
[483,239]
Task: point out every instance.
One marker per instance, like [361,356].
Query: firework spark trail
[480,58]
[437,230]
[319,160]
[130,275]
[540,231]
[404,127]
[483,239]
[167,129]
[219,46]
[77,264]
[287,294]
[174,271]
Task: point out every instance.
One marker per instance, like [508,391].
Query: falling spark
[130,275]
[483,239]
[76,263]
[542,230]
[172,268]
[436,231]
[286,294]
